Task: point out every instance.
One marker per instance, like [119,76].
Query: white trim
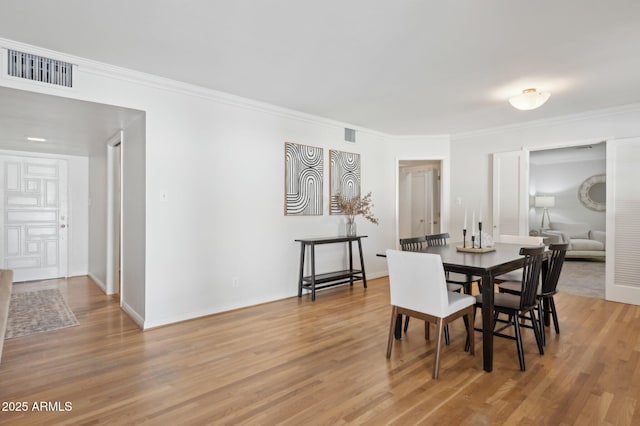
[445,189]
[567,144]
[133,315]
[425,138]
[98,282]
[114,72]
[112,239]
[562,119]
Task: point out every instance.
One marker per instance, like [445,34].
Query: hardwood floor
[297,362]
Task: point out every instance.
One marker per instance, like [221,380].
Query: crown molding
[562,119]
[436,137]
[85,65]
[102,69]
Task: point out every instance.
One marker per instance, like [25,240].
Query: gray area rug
[38,311]
[584,278]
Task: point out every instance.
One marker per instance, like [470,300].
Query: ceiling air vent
[39,68]
[349,135]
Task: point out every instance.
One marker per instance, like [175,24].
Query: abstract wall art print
[303,180]
[344,176]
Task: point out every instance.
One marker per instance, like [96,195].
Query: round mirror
[593,193]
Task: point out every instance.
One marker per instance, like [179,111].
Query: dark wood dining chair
[413,243]
[436,240]
[523,241]
[517,306]
[546,304]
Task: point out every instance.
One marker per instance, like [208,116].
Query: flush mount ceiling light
[33,139]
[529,99]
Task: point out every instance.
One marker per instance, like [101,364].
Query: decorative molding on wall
[161,83]
[563,119]
[89,66]
[303,180]
[344,177]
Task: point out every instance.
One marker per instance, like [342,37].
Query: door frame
[609,266]
[114,215]
[445,188]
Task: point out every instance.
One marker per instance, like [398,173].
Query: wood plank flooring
[300,362]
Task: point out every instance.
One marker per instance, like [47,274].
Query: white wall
[133,220]
[207,203]
[97,253]
[211,193]
[562,180]
[471,165]
[78,250]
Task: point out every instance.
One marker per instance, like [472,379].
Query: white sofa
[583,241]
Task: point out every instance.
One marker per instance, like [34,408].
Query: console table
[315,281]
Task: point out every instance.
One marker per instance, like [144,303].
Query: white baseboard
[133,315]
[126,308]
[374,275]
[98,282]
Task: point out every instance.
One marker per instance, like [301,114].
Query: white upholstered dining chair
[523,240]
[418,289]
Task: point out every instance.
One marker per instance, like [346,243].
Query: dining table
[485,265]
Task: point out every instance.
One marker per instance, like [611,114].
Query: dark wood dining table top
[505,258]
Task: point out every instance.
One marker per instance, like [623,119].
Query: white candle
[480,219]
[465,219]
[473,222]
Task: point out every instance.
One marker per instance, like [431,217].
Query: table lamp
[545,202]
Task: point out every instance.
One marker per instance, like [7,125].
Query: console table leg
[302,249]
[364,275]
[351,263]
[313,272]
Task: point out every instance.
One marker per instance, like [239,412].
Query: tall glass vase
[351,229]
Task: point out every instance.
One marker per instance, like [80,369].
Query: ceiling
[70,127]
[404,67]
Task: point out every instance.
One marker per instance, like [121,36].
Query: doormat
[38,311]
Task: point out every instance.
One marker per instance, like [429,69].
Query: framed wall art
[303,180]
[344,177]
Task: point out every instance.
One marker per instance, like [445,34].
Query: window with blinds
[39,68]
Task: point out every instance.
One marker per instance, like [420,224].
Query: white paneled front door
[34,217]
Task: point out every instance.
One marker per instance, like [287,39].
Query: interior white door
[510,194]
[418,213]
[623,221]
[34,217]
[429,201]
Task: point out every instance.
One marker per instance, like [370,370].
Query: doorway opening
[419,198]
[556,179]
